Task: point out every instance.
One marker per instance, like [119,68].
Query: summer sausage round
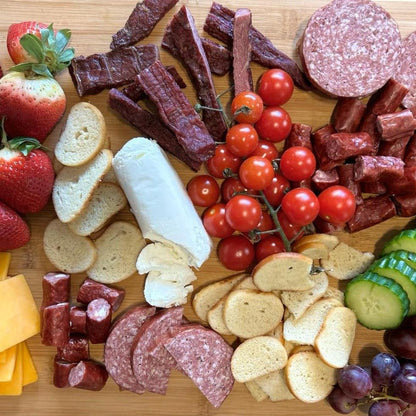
[350,48]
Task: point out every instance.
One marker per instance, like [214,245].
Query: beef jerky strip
[135,92]
[97,72]
[347,114]
[190,50]
[219,24]
[141,22]
[219,57]
[243,79]
[300,135]
[410,153]
[405,205]
[177,112]
[395,148]
[150,125]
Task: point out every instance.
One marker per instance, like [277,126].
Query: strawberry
[26,174]
[31,100]
[16,31]
[14,232]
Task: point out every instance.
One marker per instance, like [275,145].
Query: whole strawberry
[26,174]
[31,100]
[14,232]
[15,33]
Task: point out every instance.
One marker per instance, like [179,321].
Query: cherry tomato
[203,190]
[256,172]
[236,252]
[243,213]
[265,224]
[275,191]
[247,107]
[337,204]
[274,124]
[269,245]
[230,187]
[222,160]
[215,223]
[266,149]
[275,87]
[301,206]
[242,139]
[291,231]
[297,163]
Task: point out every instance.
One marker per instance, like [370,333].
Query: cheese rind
[19,314]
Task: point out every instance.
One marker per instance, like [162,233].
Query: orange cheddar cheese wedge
[14,386]
[4,264]
[30,375]
[19,315]
[7,368]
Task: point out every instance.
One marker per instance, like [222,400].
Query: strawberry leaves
[49,51]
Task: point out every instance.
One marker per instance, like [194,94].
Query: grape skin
[340,402]
[354,381]
[384,408]
[385,368]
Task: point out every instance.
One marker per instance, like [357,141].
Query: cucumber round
[405,240]
[401,273]
[378,302]
[407,256]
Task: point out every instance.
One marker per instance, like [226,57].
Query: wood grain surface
[92,23]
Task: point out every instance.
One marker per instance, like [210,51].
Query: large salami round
[407,73]
[350,48]
[117,351]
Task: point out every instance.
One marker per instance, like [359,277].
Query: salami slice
[407,72]
[152,364]
[205,358]
[350,48]
[117,350]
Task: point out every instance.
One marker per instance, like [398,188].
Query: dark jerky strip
[396,125]
[346,178]
[300,135]
[342,146]
[219,57]
[378,168]
[395,148]
[322,226]
[405,205]
[141,22]
[150,125]
[347,114]
[377,188]
[242,76]
[189,48]
[387,99]
[406,185]
[372,211]
[97,72]
[323,179]
[321,139]
[177,113]
[410,154]
[219,24]
[135,92]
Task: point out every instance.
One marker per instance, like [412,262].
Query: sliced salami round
[151,362]
[117,350]
[407,72]
[350,48]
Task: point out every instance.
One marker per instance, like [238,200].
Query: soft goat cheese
[159,200]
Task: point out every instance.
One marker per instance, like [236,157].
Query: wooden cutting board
[92,23]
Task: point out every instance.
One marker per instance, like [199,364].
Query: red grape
[354,381]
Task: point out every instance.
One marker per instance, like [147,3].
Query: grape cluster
[386,388]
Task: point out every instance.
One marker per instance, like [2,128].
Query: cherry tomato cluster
[256,210]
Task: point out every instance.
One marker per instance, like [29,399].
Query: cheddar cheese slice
[30,375]
[19,315]
[7,368]
[4,264]
[14,386]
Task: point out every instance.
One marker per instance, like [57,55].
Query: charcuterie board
[93,23]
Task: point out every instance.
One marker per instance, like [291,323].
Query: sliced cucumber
[401,273]
[405,240]
[408,257]
[378,302]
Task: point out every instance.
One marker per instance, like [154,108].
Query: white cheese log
[159,201]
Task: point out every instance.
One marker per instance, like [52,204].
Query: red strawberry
[31,100]
[14,232]
[26,175]
[16,31]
